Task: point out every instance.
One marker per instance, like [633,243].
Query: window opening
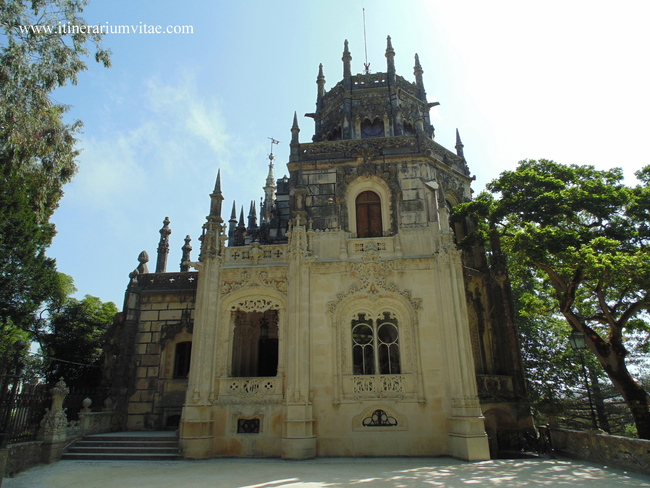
[182,356]
[375,345]
[255,347]
[372,129]
[368,211]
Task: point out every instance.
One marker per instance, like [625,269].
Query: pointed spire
[347,71]
[390,61]
[187,249]
[241,224]
[419,81]
[252,217]
[233,215]
[217,185]
[320,81]
[295,130]
[240,231]
[232,225]
[163,247]
[459,145]
[216,199]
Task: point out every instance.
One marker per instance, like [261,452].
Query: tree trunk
[633,394]
[599,403]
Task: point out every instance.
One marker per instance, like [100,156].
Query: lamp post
[579,343]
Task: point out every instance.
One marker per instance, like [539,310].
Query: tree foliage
[583,235]
[37,148]
[72,343]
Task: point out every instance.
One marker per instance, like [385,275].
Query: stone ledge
[622,452]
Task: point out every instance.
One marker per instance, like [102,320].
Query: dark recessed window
[182,359]
[368,207]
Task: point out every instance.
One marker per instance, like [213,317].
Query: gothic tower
[345,321]
[340,325]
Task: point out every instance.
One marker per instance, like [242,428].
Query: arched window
[182,357]
[372,129]
[368,211]
[375,345]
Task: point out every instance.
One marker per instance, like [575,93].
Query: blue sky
[560,80]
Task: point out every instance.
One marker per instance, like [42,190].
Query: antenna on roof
[366,65]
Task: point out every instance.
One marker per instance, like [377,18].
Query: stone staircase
[132,446]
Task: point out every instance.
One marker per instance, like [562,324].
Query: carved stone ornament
[372,280]
[255,305]
[55,421]
[267,278]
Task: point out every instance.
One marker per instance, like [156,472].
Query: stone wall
[165,319]
[622,452]
[22,456]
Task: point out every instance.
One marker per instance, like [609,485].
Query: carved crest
[372,279]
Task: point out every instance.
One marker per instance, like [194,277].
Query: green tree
[72,343]
[37,148]
[584,236]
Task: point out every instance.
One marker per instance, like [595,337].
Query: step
[125,446]
[98,443]
[119,457]
[125,449]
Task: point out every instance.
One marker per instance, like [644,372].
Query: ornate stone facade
[345,322]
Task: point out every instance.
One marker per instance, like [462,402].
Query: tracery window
[182,356]
[375,345]
[368,212]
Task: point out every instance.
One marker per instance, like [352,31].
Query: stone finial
[419,81]
[459,145]
[187,249]
[143,259]
[390,60]
[295,130]
[163,247]
[389,46]
[216,199]
[252,216]
[347,59]
[232,225]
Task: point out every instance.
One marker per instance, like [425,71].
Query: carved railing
[378,386]
[168,281]
[264,389]
[379,244]
[256,254]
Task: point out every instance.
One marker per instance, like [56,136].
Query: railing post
[54,425]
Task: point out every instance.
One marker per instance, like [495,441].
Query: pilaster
[298,440]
